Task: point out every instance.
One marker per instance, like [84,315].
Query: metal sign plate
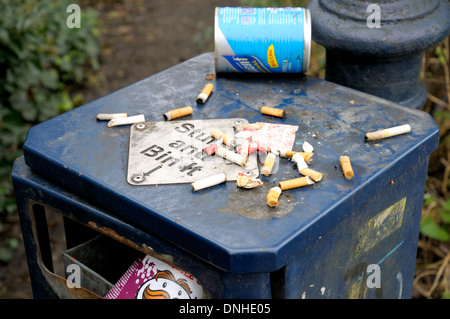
[171,152]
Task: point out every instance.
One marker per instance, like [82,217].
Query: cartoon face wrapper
[151,278]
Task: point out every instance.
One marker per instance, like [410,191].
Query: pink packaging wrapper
[275,136]
[151,278]
[269,137]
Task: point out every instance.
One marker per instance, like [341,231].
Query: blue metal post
[377,47]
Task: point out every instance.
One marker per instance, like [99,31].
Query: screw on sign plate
[171,152]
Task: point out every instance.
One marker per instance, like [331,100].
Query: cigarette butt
[126,120]
[204,94]
[346,166]
[295,183]
[300,161]
[268,164]
[227,140]
[183,111]
[109,116]
[392,131]
[272,196]
[306,155]
[273,111]
[244,148]
[209,181]
[307,147]
[315,176]
[246,181]
[231,156]
[248,126]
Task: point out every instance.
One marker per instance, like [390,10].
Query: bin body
[318,242]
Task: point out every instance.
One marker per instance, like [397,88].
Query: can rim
[307,40]
[216,53]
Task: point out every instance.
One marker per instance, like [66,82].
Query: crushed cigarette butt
[247,181]
[126,120]
[109,116]
[295,183]
[389,132]
[346,166]
[204,94]
[273,111]
[272,196]
[209,181]
[183,111]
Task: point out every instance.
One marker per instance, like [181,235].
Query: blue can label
[261,40]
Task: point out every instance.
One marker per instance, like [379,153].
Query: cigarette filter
[307,156]
[110,116]
[346,166]
[227,140]
[244,148]
[209,181]
[126,120]
[295,183]
[315,176]
[183,111]
[204,94]
[393,131]
[231,156]
[273,111]
[300,161]
[272,196]
[268,164]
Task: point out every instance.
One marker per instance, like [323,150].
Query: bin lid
[225,225]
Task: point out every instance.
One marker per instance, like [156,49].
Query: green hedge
[41,58]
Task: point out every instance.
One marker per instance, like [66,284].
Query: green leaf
[445,216]
[431,228]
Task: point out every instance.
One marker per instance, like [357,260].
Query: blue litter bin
[338,238]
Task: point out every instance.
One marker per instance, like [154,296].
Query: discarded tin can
[262,40]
